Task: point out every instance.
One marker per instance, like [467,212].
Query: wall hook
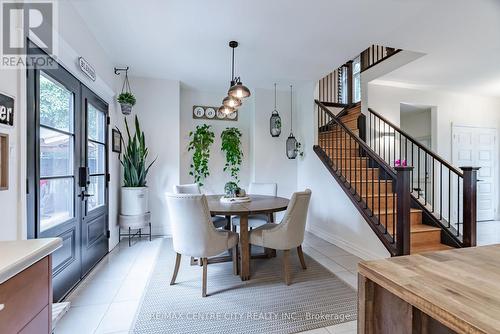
[118,70]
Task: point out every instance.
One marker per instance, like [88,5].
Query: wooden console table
[454,291]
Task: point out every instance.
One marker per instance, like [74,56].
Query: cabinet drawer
[24,296]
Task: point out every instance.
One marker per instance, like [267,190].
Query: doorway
[477,147]
[416,120]
[67,186]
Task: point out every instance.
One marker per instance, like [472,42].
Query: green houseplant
[200,141]
[127,101]
[134,199]
[231,147]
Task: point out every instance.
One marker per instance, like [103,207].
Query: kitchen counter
[454,291]
[15,256]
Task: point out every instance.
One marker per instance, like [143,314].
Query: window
[356,79]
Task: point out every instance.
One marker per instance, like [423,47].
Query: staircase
[389,196]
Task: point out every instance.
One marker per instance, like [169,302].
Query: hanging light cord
[275,96]
[232,71]
[291,110]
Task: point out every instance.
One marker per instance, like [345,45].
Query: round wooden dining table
[259,204]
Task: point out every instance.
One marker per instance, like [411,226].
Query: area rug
[264,304]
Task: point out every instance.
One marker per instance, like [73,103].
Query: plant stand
[137,223]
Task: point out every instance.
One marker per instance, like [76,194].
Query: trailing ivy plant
[231,146]
[200,141]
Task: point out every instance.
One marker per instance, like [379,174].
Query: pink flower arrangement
[399,163]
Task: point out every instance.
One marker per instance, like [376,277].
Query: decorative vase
[126,108]
[134,201]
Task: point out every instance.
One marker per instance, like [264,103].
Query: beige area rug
[316,298]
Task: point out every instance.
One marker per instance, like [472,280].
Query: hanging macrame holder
[126,107]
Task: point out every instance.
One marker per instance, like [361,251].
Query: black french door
[67,186]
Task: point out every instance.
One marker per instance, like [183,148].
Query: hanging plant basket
[126,98]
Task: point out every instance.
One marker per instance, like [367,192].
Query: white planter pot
[134,201]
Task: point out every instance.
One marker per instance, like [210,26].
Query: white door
[473,146]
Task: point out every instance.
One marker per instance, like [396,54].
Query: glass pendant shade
[226,110]
[291,147]
[231,102]
[275,124]
[239,91]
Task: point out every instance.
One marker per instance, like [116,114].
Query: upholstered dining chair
[269,189]
[194,188]
[287,235]
[194,234]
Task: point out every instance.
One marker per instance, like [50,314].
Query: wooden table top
[259,204]
[459,287]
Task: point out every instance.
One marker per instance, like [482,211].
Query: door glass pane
[56,153]
[56,202]
[97,190]
[96,123]
[96,158]
[56,104]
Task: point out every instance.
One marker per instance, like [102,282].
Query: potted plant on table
[134,193]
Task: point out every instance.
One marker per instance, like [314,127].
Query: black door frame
[62,281]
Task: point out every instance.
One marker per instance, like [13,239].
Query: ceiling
[297,41]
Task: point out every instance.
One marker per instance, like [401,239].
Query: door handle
[85,195]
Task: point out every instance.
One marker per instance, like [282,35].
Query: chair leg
[235,259]
[301,257]
[286,269]
[176,268]
[204,282]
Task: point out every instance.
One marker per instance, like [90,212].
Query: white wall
[74,40]
[270,163]
[214,184]
[332,216]
[158,103]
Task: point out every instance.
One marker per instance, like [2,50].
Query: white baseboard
[354,249]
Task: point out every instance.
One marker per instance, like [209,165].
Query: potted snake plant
[134,193]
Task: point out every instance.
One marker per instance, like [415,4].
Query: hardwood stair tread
[422,228]
[392,211]
[428,248]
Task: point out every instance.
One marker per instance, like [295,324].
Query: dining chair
[287,235]
[194,234]
[254,221]
[194,188]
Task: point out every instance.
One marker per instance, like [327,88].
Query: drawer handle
[2,306]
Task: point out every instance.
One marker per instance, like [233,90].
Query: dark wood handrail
[381,60]
[420,146]
[361,143]
[335,104]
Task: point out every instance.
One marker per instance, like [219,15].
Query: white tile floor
[107,300]
[488,232]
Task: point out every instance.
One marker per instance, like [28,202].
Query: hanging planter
[126,98]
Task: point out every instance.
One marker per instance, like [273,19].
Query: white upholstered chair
[254,221]
[289,233]
[194,188]
[194,234]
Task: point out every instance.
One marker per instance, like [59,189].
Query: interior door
[94,191]
[474,146]
[67,191]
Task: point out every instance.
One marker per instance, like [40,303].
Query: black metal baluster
[441,191]
[418,172]
[449,196]
[425,179]
[458,206]
[433,185]
[366,185]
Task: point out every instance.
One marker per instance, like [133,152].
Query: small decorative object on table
[234,194]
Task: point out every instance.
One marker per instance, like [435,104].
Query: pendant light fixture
[291,143]
[275,120]
[237,90]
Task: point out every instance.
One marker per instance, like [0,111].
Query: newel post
[403,186]
[469,206]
